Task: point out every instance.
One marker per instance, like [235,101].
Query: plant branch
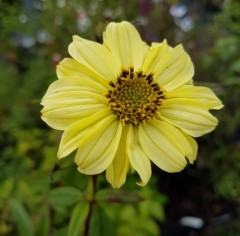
[90,191]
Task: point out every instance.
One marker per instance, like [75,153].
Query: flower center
[134,97]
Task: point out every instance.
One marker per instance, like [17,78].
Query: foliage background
[42,196]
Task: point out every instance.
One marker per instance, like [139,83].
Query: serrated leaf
[78,217]
[118,196]
[21,217]
[65,196]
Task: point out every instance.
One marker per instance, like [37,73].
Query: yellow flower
[123,104]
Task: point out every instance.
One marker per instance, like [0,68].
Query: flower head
[123,104]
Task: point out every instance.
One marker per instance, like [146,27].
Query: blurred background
[39,195]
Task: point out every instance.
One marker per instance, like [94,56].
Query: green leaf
[118,196]
[43,224]
[21,217]
[60,232]
[78,217]
[100,223]
[65,196]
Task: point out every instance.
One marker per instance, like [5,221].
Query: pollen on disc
[134,97]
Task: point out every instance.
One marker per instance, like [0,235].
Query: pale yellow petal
[125,43]
[201,94]
[63,118]
[137,158]
[94,56]
[65,98]
[70,100]
[178,71]
[192,117]
[96,155]
[80,131]
[163,150]
[172,67]
[193,155]
[157,58]
[70,68]
[62,115]
[75,84]
[145,49]
[184,143]
[190,82]
[117,171]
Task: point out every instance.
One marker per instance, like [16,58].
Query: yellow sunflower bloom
[123,104]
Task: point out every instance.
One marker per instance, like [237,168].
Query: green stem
[90,196]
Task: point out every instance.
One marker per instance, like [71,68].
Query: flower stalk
[90,197]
